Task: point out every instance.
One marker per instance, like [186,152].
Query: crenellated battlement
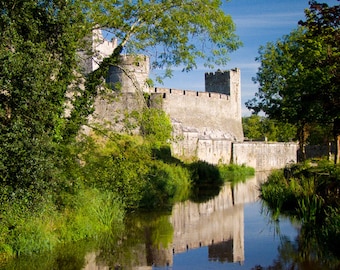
[224,82]
[189,93]
[219,72]
[206,125]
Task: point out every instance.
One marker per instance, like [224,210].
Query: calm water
[259,245]
[229,231]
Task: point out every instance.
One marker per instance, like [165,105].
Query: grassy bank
[28,230]
[100,178]
[111,175]
[309,193]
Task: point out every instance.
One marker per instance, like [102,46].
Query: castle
[207,125]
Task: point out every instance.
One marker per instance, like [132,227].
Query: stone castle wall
[131,74]
[206,125]
[264,155]
[212,115]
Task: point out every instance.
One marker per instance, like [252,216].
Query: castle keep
[205,122]
[206,125]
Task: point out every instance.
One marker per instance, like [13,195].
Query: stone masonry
[206,125]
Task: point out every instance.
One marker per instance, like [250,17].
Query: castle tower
[228,83]
[99,48]
[130,75]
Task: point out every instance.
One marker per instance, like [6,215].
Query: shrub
[235,173]
[166,184]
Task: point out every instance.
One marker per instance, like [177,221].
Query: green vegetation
[299,76]
[86,214]
[308,192]
[235,173]
[208,179]
[299,84]
[115,173]
[260,128]
[54,185]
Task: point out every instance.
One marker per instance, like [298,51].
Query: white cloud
[266,20]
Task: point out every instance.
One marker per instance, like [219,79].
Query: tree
[38,43]
[172,32]
[257,128]
[38,53]
[299,75]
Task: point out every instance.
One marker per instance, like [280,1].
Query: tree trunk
[302,143]
[337,151]
[336,133]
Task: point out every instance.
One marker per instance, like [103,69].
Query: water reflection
[152,240]
[217,224]
[225,232]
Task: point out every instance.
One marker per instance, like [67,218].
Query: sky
[257,22]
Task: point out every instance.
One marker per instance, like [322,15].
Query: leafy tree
[156,126]
[320,134]
[257,128]
[172,32]
[252,128]
[299,74]
[38,53]
[38,43]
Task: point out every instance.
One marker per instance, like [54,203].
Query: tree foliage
[38,53]
[299,74]
[38,42]
[258,128]
[174,33]
[45,99]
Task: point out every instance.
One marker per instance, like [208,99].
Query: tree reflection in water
[315,248]
[150,239]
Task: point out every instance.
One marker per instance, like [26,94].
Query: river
[230,231]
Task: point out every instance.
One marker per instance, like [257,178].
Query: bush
[204,172]
[305,190]
[83,215]
[235,173]
[167,184]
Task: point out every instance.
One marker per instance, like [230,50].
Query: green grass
[308,193]
[235,173]
[87,214]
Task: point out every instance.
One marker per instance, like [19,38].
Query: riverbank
[115,176]
[310,193]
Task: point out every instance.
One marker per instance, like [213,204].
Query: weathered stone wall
[102,48]
[204,124]
[112,112]
[228,83]
[188,144]
[213,115]
[130,75]
[216,82]
[263,155]
[99,48]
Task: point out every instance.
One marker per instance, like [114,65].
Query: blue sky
[257,22]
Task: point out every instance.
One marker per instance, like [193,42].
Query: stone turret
[228,83]
[98,49]
[130,75]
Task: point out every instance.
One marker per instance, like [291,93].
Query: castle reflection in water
[217,224]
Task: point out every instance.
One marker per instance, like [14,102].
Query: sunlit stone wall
[264,155]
